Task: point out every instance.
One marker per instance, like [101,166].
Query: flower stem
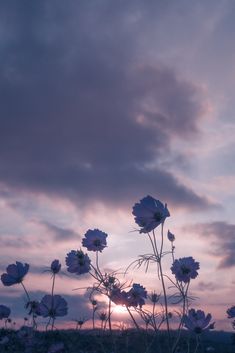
[133,319]
[159,261]
[26,292]
[109,317]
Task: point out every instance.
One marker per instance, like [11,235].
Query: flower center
[157,216]
[52,312]
[185,270]
[97,242]
[198,330]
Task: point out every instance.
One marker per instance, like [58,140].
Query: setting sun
[119,309]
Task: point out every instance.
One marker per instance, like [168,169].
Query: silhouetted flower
[185,268]
[149,213]
[95,240]
[55,266]
[170,236]
[119,297]
[103,316]
[154,297]
[136,295]
[197,321]
[78,262]
[34,307]
[231,312]
[53,306]
[94,302]
[15,274]
[56,348]
[4,312]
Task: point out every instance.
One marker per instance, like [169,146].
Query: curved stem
[196,348]
[184,295]
[93,319]
[48,323]
[133,319]
[163,285]
[53,285]
[52,301]
[26,292]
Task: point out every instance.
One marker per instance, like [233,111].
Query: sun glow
[119,309]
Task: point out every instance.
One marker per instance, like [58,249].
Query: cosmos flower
[78,262]
[154,297]
[15,274]
[149,213]
[53,306]
[4,312]
[197,321]
[119,297]
[170,236]
[95,240]
[185,268]
[231,312]
[33,307]
[136,295]
[55,266]
[103,316]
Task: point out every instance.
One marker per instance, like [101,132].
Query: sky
[105,102]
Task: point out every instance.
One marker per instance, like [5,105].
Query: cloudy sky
[102,103]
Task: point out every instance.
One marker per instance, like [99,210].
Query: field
[127,341]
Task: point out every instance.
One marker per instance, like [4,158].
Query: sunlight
[119,309]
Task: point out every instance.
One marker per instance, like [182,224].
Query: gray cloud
[59,233]
[82,114]
[222,238]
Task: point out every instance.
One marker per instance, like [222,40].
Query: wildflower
[119,297]
[55,266]
[185,268]
[56,348]
[95,240]
[53,306]
[15,274]
[170,236]
[4,312]
[149,213]
[154,297]
[136,295]
[103,316]
[34,307]
[197,321]
[80,322]
[94,302]
[78,262]
[231,312]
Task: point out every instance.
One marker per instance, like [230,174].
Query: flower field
[164,320]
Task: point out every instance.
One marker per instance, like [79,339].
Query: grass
[126,341]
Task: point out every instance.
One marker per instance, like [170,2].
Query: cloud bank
[82,114]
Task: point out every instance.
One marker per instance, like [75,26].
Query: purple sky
[102,103]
